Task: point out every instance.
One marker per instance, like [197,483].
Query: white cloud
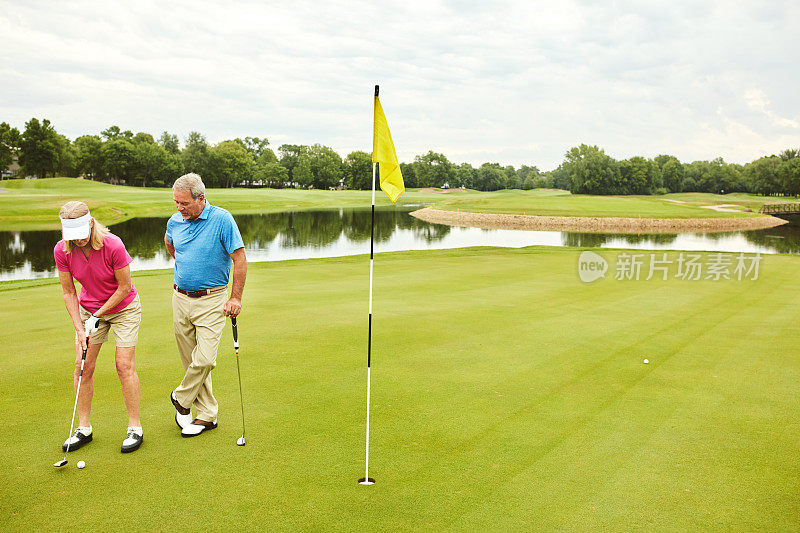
[513,82]
[756,99]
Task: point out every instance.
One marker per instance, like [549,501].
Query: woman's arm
[123,277]
[71,303]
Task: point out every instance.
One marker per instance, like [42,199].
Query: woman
[108,299]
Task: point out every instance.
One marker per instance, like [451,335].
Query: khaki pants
[198,326]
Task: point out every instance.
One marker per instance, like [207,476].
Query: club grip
[235,331]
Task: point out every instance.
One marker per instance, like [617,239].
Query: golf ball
[81,464]
[240,442]
[646,361]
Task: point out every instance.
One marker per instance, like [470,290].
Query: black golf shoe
[132,440]
[77,439]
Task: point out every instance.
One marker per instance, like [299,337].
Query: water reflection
[267,237]
[339,232]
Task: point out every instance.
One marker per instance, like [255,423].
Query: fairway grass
[507,395]
[34,204]
[562,203]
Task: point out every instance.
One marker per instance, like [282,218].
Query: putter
[240,441]
[75,407]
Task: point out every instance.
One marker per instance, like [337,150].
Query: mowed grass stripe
[477,422]
[615,504]
[581,396]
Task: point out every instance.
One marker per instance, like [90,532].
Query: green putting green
[507,395]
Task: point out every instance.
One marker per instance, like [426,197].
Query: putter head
[60,463]
[240,441]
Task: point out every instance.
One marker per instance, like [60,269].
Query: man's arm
[170,248]
[234,305]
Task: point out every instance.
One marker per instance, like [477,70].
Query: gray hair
[190,182]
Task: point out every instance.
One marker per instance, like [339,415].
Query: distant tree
[528,177]
[559,178]
[67,158]
[154,165]
[409,175]
[170,143]
[9,144]
[301,174]
[113,133]
[789,174]
[271,173]
[40,148]
[723,177]
[89,156]
[326,167]
[230,164]
[433,170]
[696,176]
[268,171]
[290,156]
[491,177]
[142,137]
[638,176]
[545,180]
[254,146]
[762,176]
[195,154]
[358,170]
[672,172]
[591,171]
[466,176]
[267,156]
[119,160]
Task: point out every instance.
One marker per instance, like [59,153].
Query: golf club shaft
[238,370]
[77,393]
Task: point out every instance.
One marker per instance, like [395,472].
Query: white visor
[75,229]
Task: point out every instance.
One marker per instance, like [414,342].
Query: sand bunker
[595,224]
[722,207]
[439,191]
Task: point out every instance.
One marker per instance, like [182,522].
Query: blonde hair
[97,231]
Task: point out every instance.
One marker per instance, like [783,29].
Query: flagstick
[366,480]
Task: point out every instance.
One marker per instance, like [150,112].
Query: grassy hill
[34,204]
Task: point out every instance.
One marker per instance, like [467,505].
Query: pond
[339,232]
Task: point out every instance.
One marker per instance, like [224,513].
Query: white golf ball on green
[81,464]
[646,361]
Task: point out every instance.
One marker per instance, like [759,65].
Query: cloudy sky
[510,82]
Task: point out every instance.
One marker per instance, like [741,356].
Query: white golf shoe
[183,420]
[133,440]
[196,427]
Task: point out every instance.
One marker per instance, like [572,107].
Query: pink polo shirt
[96,274]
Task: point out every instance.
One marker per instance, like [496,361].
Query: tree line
[122,157]
[589,170]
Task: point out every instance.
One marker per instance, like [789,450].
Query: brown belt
[198,294]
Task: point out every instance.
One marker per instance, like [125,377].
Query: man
[203,239]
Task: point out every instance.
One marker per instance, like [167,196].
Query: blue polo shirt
[203,247]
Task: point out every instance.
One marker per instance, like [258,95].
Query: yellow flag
[383,153]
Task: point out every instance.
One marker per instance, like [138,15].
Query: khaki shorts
[124,323]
